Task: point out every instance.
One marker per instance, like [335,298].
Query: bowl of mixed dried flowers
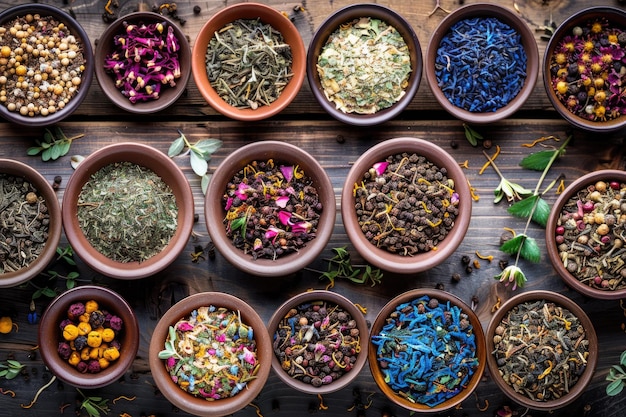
[210,354]
[406,205]
[248,61]
[270,208]
[584,69]
[364,64]
[143,62]
[482,63]
[46,64]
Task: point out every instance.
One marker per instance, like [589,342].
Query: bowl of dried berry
[270,208]
[427,350]
[143,62]
[46,64]
[30,215]
[584,71]
[364,64]
[406,205]
[543,350]
[128,210]
[482,63]
[210,354]
[248,61]
[88,336]
[319,341]
[585,235]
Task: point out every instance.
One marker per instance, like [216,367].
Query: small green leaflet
[615,387]
[534,205]
[199,155]
[471,135]
[176,147]
[538,161]
[526,245]
[511,190]
[53,145]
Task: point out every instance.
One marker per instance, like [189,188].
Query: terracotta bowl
[380,257]
[106,46]
[480,352]
[332,23]
[86,76]
[616,18]
[505,15]
[199,406]
[43,187]
[267,15]
[160,164]
[575,189]
[50,335]
[280,152]
[584,379]
[331,299]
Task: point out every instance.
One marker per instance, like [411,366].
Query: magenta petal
[241,191]
[229,203]
[287,172]
[284,217]
[380,167]
[302,227]
[282,201]
[272,232]
[290,190]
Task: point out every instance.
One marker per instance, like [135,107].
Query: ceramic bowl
[614,17]
[504,15]
[106,47]
[492,363]
[448,301]
[214,209]
[85,75]
[44,189]
[50,335]
[329,298]
[159,163]
[346,15]
[381,257]
[266,15]
[186,401]
[578,190]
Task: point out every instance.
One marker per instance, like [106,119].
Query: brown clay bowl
[345,15]
[86,76]
[617,18]
[584,379]
[553,222]
[380,257]
[21,170]
[505,15]
[267,15]
[105,47]
[280,152]
[200,406]
[480,352]
[50,335]
[331,298]
[160,164]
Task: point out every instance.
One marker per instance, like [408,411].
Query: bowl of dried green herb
[248,61]
[364,64]
[482,63]
[584,69]
[128,210]
[543,349]
[30,220]
[427,350]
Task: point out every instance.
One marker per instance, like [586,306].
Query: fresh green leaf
[523,208]
[15,364]
[208,146]
[513,245]
[471,135]
[198,164]
[46,155]
[176,147]
[34,150]
[48,137]
[614,387]
[64,147]
[542,212]
[37,294]
[622,358]
[238,223]
[55,152]
[530,250]
[69,260]
[73,275]
[537,161]
[70,283]
[91,410]
[49,292]
[204,183]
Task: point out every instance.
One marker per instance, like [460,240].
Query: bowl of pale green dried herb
[128,211]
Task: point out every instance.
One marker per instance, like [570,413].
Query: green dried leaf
[198,163]
[537,161]
[176,147]
[238,223]
[615,387]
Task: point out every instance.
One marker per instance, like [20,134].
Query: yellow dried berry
[84,354]
[111,354]
[108,335]
[21,70]
[74,358]
[70,332]
[91,306]
[5,51]
[84,318]
[6,325]
[94,339]
[83,328]
[104,363]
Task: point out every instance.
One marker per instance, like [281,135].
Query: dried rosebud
[93,367]
[115,323]
[82,367]
[64,350]
[65,323]
[75,310]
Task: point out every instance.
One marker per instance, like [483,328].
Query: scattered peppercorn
[440,286]
[469,269]
[456,277]
[454,144]
[465,260]
[487,143]
[196,9]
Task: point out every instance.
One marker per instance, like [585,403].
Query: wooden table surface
[335,145]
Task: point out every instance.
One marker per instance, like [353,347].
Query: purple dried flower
[93,367]
[82,367]
[64,350]
[116,323]
[76,310]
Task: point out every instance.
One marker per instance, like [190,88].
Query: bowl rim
[380,257]
[329,25]
[575,309]
[214,211]
[266,14]
[107,84]
[86,78]
[481,351]
[19,169]
[559,33]
[48,334]
[528,42]
[551,246]
[335,298]
[159,163]
[188,402]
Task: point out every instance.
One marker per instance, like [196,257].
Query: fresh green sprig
[340,266]
[617,376]
[472,135]
[94,405]
[10,368]
[199,155]
[53,145]
[170,350]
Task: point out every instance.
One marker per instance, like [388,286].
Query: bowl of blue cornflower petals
[482,63]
